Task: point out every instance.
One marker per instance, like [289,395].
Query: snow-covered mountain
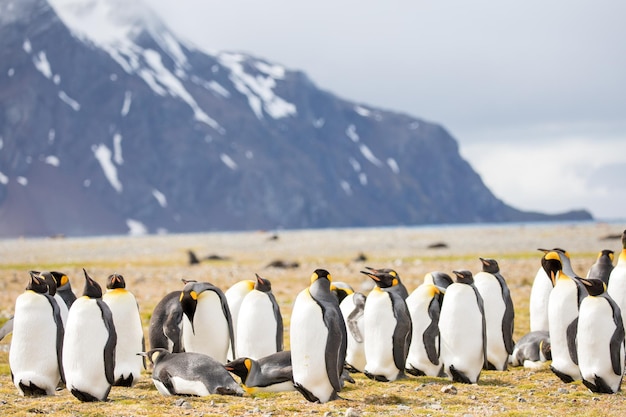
[109,123]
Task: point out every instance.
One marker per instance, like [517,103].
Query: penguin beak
[372,275]
[189,302]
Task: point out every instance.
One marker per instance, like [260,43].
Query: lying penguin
[190,373]
[532,350]
[271,373]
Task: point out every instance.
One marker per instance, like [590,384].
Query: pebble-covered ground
[155,265]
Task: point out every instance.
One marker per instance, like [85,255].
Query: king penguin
[190,373]
[463,330]
[532,350]
[352,308]
[602,267]
[565,298]
[424,304]
[499,314]
[234,296]
[260,324]
[600,340]
[388,328]
[318,340]
[617,280]
[36,346]
[207,323]
[89,345]
[127,320]
[539,296]
[272,373]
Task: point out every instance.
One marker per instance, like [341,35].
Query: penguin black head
[115,281]
[60,278]
[441,279]
[240,367]
[464,277]
[490,265]
[262,284]
[92,288]
[155,354]
[551,263]
[50,282]
[607,254]
[384,278]
[341,290]
[320,274]
[594,286]
[189,302]
[37,283]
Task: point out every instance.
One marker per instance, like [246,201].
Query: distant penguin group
[201,338]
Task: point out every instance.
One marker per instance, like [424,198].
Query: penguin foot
[458,376]
[83,396]
[125,381]
[600,386]
[415,372]
[563,376]
[32,390]
[379,378]
[350,368]
[306,393]
[490,367]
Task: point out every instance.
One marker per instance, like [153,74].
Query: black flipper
[109,347]
[431,334]
[617,339]
[403,331]
[572,334]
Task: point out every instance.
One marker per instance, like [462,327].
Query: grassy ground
[154,266]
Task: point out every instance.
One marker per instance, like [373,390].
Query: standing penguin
[37,343]
[463,330]
[499,313]
[565,299]
[352,308]
[89,345]
[207,323]
[125,310]
[260,324]
[539,296]
[617,280]
[388,328]
[424,305]
[234,296]
[602,267]
[600,340]
[318,340]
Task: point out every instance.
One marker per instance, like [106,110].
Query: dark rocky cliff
[150,134]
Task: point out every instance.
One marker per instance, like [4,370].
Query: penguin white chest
[33,352]
[256,326]
[308,339]
[210,333]
[379,325]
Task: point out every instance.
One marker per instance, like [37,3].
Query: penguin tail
[125,381]
[562,376]
[306,393]
[458,376]
[350,368]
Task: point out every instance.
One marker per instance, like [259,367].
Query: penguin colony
[201,336]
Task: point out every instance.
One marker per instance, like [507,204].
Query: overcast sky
[534,91]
